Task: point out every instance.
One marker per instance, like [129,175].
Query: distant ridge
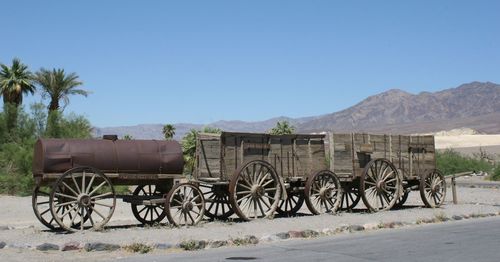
[474,105]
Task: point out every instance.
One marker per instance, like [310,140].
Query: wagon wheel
[379,185]
[350,197]
[217,201]
[87,195]
[148,213]
[433,189]
[185,205]
[291,205]
[41,207]
[401,200]
[323,192]
[255,190]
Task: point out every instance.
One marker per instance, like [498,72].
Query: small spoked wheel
[380,184]
[323,192]
[401,200]
[350,197]
[86,197]
[185,205]
[433,189]
[217,201]
[255,190]
[150,212]
[291,205]
[41,206]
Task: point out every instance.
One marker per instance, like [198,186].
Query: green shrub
[496,173]
[452,162]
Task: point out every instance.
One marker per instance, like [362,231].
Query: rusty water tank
[109,156]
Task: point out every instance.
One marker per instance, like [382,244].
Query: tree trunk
[54,104]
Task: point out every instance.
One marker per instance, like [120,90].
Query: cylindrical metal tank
[119,156]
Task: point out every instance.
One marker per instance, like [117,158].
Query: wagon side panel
[341,155]
[208,160]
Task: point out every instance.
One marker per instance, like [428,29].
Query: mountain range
[474,105]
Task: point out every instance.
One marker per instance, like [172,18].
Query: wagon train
[247,175]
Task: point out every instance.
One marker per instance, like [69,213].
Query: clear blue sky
[202,61]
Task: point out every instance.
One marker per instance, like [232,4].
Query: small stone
[71,246]
[296,234]
[193,244]
[327,231]
[217,243]
[47,247]
[371,226]
[163,246]
[353,228]
[342,228]
[308,233]
[4,228]
[283,235]
[2,244]
[457,217]
[252,240]
[98,246]
[269,238]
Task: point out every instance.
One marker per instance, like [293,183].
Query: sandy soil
[458,141]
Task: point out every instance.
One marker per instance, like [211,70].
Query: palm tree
[58,86]
[15,81]
[282,128]
[168,131]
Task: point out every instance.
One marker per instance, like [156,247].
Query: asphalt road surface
[470,240]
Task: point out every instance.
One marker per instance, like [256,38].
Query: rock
[163,246]
[4,228]
[47,247]
[342,228]
[217,244]
[18,246]
[269,238]
[393,224]
[371,226]
[457,217]
[308,233]
[251,240]
[2,244]
[71,246]
[98,246]
[353,228]
[193,244]
[327,231]
[283,235]
[296,234]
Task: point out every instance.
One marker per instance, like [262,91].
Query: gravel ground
[26,232]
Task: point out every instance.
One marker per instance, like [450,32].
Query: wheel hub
[257,191]
[84,200]
[187,206]
[325,193]
[380,186]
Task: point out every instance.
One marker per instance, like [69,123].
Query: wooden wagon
[382,169]
[254,175]
[76,179]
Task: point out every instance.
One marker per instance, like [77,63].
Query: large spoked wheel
[401,200]
[350,197]
[380,184]
[185,205]
[217,201]
[88,197]
[291,205]
[150,212]
[323,192]
[433,189]
[255,190]
[41,207]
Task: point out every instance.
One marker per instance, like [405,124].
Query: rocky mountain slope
[474,105]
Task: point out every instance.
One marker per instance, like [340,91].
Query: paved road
[470,240]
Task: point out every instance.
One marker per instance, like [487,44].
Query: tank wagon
[247,175]
[76,179]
